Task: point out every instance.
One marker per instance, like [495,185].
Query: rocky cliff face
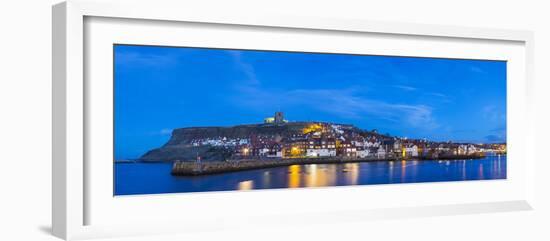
[222,143]
[184,136]
[183,142]
[186,153]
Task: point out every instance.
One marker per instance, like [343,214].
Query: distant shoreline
[190,168]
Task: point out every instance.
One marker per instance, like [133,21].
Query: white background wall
[25,119]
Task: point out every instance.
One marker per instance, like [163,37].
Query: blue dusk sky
[158,89]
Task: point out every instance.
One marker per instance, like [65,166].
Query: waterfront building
[397,148]
[381,152]
[277,154]
[371,143]
[264,151]
[421,148]
[324,152]
[410,150]
[466,149]
[358,141]
[296,147]
[244,151]
[363,152]
[275,150]
[347,149]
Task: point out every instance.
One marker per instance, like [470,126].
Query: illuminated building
[347,149]
[278,118]
[295,148]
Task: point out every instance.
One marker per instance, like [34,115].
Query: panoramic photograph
[189,119]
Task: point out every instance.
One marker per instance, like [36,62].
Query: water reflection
[480,172]
[403,170]
[499,168]
[414,171]
[294,176]
[266,179]
[140,178]
[246,185]
[312,175]
[464,169]
[352,173]
[390,170]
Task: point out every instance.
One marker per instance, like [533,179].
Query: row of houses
[328,145]
[332,140]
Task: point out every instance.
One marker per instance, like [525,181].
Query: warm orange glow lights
[313,128]
[295,151]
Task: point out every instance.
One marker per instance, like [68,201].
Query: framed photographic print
[205,122]
[191,119]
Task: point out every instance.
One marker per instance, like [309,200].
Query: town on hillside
[326,140]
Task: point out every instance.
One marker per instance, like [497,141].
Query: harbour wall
[192,168]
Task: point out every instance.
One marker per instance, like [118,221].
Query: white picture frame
[73,188]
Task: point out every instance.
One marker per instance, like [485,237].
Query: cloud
[477,70]
[161,132]
[463,131]
[494,114]
[142,59]
[165,131]
[438,94]
[495,138]
[404,87]
[441,97]
[346,103]
[499,129]
[246,68]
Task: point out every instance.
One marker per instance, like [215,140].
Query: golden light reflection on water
[315,175]
[403,170]
[294,176]
[312,174]
[321,176]
[246,185]
[352,173]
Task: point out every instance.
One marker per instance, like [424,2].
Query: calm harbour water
[152,178]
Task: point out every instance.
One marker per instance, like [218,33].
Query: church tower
[279,118]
